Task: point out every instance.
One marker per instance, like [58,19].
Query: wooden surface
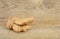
[46,13]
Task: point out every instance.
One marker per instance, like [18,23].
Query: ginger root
[23,21]
[25,28]
[16,28]
[18,25]
[10,22]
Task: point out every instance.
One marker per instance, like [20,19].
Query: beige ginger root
[16,28]
[18,25]
[25,28]
[24,21]
[11,21]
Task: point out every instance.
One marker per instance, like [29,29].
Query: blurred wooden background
[45,12]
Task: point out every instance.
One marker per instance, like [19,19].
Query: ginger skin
[18,25]
[24,21]
[16,28]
